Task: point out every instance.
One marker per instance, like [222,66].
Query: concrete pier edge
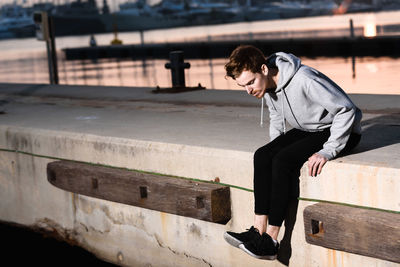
[192,179]
[194,135]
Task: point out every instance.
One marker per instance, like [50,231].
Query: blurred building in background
[76,17]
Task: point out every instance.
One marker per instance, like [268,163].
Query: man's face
[254,83]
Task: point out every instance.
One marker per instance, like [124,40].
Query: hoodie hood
[287,65]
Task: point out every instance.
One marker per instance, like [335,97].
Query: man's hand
[315,164]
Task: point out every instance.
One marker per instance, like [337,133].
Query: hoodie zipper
[290,108]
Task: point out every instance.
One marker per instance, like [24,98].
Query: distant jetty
[329,47]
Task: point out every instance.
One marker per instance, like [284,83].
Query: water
[23,247]
[25,60]
[372,75]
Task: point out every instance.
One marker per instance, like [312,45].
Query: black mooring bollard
[177,67]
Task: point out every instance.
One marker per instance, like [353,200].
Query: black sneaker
[235,239]
[261,247]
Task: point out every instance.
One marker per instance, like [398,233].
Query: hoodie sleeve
[331,97]
[275,121]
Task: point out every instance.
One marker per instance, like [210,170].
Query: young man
[325,123]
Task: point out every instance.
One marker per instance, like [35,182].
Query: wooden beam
[200,200]
[361,231]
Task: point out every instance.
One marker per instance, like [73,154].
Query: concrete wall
[132,236]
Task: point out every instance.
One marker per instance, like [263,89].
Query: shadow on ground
[379,132]
[285,250]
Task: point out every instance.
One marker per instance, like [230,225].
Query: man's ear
[264,69]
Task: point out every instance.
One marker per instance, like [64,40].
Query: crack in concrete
[51,228]
[92,229]
[180,253]
[137,223]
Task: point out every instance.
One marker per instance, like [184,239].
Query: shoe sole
[267,257]
[232,241]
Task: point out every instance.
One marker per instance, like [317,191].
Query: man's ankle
[273,231]
[260,223]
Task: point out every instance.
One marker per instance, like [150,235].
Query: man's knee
[287,162]
[280,162]
[262,155]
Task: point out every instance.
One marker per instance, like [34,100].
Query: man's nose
[248,89]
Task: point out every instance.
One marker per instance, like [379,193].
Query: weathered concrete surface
[204,135]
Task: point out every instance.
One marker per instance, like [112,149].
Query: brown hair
[244,57]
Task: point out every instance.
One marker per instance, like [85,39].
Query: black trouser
[277,169]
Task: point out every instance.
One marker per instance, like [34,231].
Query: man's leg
[264,244]
[262,180]
[263,159]
[286,167]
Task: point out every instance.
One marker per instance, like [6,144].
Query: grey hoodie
[310,101]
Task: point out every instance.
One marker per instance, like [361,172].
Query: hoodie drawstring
[283,115]
[262,112]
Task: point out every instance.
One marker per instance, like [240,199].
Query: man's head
[244,57]
[247,66]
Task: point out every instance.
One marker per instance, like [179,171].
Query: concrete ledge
[354,183]
[164,158]
[360,185]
